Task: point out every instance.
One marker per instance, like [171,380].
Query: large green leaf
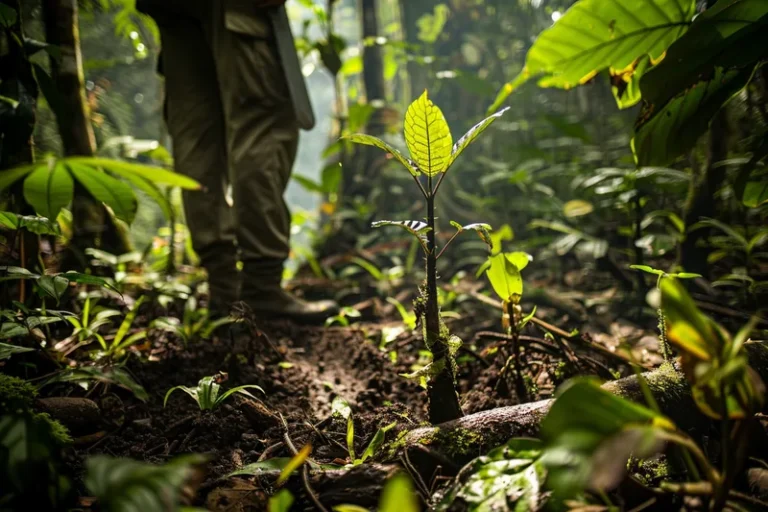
[149,188]
[48,189]
[428,136]
[508,478]
[595,35]
[114,193]
[590,434]
[473,133]
[505,278]
[153,174]
[126,485]
[731,33]
[370,140]
[664,134]
[715,365]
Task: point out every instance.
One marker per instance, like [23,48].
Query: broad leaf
[664,134]
[715,365]
[730,33]
[590,434]
[153,174]
[151,189]
[370,140]
[505,278]
[595,35]
[127,485]
[55,286]
[49,189]
[519,259]
[428,136]
[507,478]
[112,192]
[473,133]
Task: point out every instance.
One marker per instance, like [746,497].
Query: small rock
[80,415]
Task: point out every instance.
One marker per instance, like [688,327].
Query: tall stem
[443,400]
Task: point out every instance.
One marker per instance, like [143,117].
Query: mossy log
[457,442]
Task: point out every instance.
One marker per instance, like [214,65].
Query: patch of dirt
[315,365]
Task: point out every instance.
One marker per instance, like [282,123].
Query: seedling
[666,351]
[206,394]
[432,154]
[194,323]
[504,274]
[341,408]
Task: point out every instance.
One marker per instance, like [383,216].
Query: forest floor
[302,370]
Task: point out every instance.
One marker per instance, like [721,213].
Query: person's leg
[262,138]
[196,124]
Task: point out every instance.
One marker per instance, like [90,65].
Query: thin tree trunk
[93,224]
[373,64]
[17,81]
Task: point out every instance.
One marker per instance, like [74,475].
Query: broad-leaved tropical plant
[49,184]
[432,154]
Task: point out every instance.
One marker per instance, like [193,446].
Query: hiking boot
[265,296]
[224,281]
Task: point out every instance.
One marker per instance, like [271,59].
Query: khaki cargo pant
[231,120]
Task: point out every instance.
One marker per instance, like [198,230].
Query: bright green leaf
[473,133]
[370,140]
[595,35]
[505,278]
[49,189]
[519,259]
[112,192]
[428,136]
[153,174]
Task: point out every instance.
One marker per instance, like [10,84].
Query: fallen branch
[470,436]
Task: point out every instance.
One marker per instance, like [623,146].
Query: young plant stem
[512,316]
[443,400]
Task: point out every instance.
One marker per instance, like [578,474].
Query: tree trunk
[17,82]
[93,224]
[373,64]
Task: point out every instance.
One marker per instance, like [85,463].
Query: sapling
[432,154]
[503,272]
